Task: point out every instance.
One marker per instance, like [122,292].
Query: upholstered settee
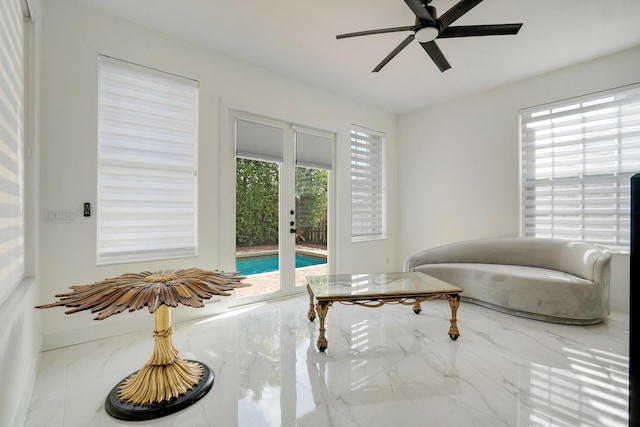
[546,279]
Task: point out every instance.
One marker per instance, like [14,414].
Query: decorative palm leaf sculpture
[165,377]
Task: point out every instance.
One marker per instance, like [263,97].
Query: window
[147,143]
[12,98]
[368,198]
[578,157]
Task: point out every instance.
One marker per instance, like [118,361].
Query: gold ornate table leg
[165,384]
[454,303]
[312,313]
[417,308]
[165,375]
[321,309]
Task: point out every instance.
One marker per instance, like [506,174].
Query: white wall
[459,178]
[74,35]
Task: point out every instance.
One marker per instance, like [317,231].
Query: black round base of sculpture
[129,412]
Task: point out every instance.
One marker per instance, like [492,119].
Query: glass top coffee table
[375,290]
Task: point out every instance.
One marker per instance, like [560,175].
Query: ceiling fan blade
[419,9]
[457,11]
[394,52]
[436,55]
[378,31]
[480,30]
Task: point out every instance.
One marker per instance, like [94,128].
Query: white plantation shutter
[368,196]
[147,158]
[11,144]
[577,160]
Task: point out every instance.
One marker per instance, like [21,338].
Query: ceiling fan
[429,27]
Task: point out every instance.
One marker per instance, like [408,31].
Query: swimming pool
[266,264]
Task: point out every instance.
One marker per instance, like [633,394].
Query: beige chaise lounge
[546,279]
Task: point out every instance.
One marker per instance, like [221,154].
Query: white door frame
[227,204]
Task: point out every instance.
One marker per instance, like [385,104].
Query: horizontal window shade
[578,157]
[147,157]
[314,151]
[259,141]
[367,185]
[11,144]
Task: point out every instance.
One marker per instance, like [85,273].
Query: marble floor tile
[384,366]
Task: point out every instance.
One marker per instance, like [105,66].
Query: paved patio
[270,282]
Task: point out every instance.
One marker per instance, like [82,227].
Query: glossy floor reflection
[384,366]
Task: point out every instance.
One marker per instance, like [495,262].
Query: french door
[282,176]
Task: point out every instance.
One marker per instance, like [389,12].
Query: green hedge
[257,203]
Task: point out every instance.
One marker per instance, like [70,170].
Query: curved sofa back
[582,259]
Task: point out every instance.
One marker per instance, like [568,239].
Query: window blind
[578,157]
[147,159]
[11,144]
[367,185]
[259,141]
[314,151]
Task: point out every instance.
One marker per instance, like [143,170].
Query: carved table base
[131,412]
[321,307]
[164,385]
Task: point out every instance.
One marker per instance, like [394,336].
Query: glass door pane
[311,223]
[257,231]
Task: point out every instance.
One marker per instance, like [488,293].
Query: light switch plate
[60,216]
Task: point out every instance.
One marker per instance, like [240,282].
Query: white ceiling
[297,38]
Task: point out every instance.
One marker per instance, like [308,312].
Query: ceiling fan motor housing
[432,11]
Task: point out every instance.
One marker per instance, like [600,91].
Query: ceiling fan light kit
[428,27]
[426,34]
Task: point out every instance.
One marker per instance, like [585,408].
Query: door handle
[292,231]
